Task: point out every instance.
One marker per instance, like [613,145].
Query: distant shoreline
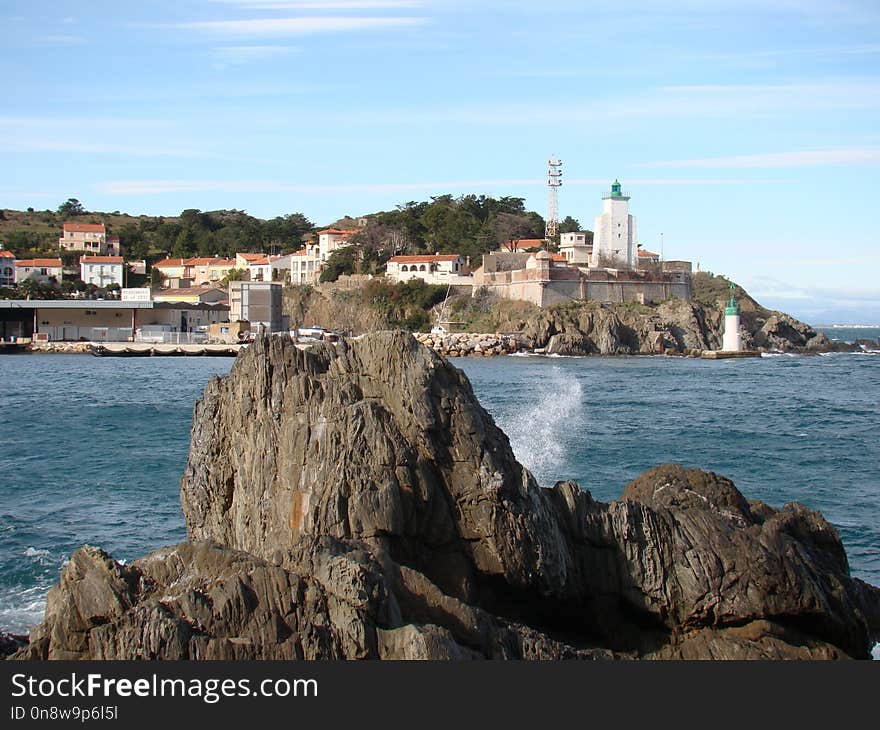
[847,326]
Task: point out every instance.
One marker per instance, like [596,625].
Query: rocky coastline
[356,501]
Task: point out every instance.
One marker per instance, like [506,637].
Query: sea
[92,449]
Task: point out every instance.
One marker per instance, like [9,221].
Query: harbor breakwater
[461,344]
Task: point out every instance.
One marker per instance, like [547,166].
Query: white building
[271,268]
[615,232]
[432,269]
[331,239]
[102,271]
[40,270]
[575,248]
[305,265]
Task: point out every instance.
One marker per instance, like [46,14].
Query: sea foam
[540,431]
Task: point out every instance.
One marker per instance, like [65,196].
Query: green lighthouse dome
[732,307]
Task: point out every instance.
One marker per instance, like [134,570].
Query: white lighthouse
[615,232]
[732,342]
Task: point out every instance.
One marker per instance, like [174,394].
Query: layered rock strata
[356,501]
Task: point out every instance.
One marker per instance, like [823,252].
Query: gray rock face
[356,501]
[674,326]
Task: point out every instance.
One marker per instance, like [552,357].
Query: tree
[569,225]
[341,261]
[512,227]
[236,275]
[70,208]
[133,242]
[157,278]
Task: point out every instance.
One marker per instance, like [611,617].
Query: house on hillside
[332,239]
[88,237]
[102,271]
[42,271]
[272,268]
[430,268]
[174,273]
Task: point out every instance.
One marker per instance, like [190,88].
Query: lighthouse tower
[615,232]
[732,341]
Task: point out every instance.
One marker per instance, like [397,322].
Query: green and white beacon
[732,341]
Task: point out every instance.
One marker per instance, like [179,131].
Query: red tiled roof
[84,227]
[340,231]
[424,259]
[38,262]
[558,257]
[525,243]
[251,256]
[189,291]
[101,260]
[653,255]
[6,254]
[169,262]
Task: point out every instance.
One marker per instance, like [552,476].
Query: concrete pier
[725,354]
[144,349]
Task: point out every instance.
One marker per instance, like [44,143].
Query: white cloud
[281,27]
[158,187]
[40,144]
[323,4]
[804,158]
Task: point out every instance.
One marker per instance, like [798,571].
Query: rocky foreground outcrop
[356,501]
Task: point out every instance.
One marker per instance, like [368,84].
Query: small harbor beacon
[732,341]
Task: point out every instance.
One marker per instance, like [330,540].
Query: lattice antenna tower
[554,181]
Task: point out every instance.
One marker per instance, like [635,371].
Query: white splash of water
[34,553]
[875,652]
[545,424]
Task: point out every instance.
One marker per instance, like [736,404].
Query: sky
[747,133]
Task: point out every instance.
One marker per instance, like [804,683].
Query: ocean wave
[540,432]
[21,608]
[34,553]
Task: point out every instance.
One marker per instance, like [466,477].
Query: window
[404,268]
[44,272]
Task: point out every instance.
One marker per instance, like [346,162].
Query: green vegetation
[341,261]
[486,312]
[470,225]
[407,304]
[32,233]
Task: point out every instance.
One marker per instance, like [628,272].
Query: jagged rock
[10,643]
[368,507]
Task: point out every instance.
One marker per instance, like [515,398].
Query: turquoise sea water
[93,448]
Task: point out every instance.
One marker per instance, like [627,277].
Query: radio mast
[554,180]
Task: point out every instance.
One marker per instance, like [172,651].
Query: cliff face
[357,501]
[676,325]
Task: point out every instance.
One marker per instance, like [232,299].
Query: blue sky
[746,132]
